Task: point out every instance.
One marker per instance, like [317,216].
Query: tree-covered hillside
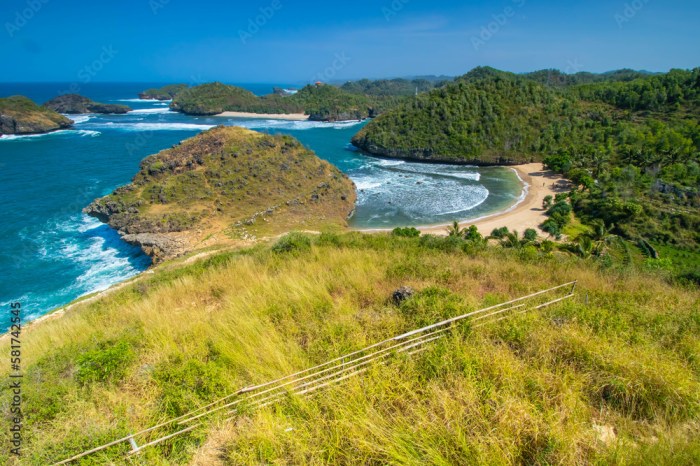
[632,146]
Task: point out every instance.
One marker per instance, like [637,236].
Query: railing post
[134,446]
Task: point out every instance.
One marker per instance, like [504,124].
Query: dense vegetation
[21,115]
[610,377]
[631,143]
[230,181]
[163,93]
[320,102]
[554,77]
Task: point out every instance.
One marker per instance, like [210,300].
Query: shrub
[547,201]
[293,242]
[408,232]
[106,363]
[472,234]
[499,233]
[530,235]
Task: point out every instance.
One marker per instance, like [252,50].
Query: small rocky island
[20,115]
[76,104]
[227,184]
[163,93]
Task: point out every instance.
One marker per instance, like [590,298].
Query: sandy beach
[528,213]
[266,116]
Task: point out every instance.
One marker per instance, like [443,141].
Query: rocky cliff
[225,184]
[75,104]
[20,115]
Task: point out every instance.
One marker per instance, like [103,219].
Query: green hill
[226,183]
[611,376]
[20,115]
[493,117]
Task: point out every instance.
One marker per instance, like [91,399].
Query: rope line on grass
[330,372]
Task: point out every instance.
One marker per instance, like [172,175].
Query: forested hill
[632,146]
[489,116]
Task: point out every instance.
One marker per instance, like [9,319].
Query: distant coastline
[265,116]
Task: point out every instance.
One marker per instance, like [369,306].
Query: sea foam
[152,110]
[62,132]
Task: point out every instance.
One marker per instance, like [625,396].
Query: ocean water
[51,253]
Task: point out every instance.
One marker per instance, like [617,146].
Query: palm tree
[584,247]
[602,237]
[455,230]
[511,240]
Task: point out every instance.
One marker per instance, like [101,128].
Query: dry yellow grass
[623,355]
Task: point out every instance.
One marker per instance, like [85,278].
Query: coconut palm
[455,230]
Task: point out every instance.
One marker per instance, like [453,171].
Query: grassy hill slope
[610,377]
[226,181]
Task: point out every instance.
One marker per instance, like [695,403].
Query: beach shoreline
[526,213]
[265,116]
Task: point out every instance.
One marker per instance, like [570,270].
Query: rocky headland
[225,184]
[20,115]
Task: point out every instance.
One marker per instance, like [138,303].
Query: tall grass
[536,389]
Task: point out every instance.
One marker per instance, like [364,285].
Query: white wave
[291,124]
[87,132]
[139,100]
[366,184]
[152,110]
[389,163]
[464,172]
[161,127]
[79,132]
[82,118]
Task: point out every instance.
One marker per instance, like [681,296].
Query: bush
[107,363]
[552,227]
[499,233]
[408,232]
[530,235]
[292,242]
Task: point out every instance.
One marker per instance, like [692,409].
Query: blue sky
[299,41]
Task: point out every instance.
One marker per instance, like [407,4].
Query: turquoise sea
[51,253]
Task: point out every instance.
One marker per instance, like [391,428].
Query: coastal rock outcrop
[228,183]
[75,104]
[164,93]
[20,115]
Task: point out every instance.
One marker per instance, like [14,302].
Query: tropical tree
[455,230]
